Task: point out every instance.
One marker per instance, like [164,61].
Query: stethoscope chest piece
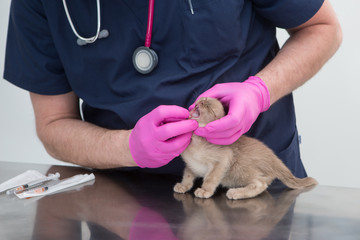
[144,59]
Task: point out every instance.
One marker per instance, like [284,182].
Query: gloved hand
[245,101]
[160,136]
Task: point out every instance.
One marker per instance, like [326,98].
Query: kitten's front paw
[180,188]
[201,193]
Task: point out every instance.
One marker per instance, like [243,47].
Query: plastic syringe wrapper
[59,186]
[21,179]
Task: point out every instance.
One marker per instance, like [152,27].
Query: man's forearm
[85,144]
[302,56]
[66,137]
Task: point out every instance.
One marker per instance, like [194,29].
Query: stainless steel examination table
[135,205]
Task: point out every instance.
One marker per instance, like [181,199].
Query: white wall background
[328,110]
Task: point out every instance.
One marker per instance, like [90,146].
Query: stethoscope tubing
[90,39]
[150,24]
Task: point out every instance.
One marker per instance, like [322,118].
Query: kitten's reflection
[264,217]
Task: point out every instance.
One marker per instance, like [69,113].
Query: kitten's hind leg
[249,191]
[186,183]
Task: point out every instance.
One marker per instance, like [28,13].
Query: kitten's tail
[293,182]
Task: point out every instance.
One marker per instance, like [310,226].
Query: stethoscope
[144,58]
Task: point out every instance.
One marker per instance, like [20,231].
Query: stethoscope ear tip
[81,42]
[103,34]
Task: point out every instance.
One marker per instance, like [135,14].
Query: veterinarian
[138,66]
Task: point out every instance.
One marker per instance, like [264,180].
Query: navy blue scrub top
[223,41]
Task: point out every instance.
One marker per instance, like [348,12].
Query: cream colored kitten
[247,166]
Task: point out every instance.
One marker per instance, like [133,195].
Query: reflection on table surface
[137,205]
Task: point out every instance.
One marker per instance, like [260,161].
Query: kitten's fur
[247,166]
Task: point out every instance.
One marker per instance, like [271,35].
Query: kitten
[247,166]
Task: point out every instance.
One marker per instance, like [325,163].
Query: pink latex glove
[160,136]
[245,101]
